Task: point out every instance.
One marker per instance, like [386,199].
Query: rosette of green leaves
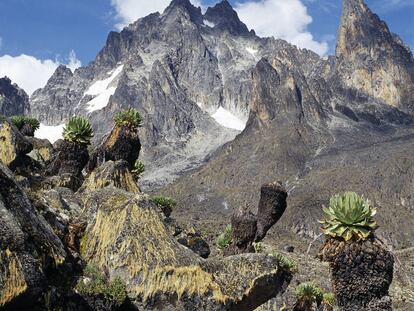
[129,118]
[78,130]
[349,216]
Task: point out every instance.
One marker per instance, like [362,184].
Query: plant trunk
[121,144]
[362,273]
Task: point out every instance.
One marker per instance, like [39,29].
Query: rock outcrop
[67,163]
[13,145]
[111,173]
[373,60]
[13,100]
[127,238]
[29,250]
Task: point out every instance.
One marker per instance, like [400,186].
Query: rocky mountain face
[373,60]
[13,100]
[184,71]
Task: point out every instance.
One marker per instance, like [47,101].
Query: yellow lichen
[191,280]
[7,150]
[136,233]
[12,278]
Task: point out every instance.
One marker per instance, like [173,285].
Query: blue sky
[51,29]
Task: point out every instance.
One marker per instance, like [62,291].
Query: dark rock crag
[13,100]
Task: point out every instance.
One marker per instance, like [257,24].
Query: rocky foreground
[54,228]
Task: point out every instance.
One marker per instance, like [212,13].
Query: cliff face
[373,60]
[13,100]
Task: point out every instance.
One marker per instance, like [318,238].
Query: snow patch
[208,23]
[229,120]
[251,51]
[101,101]
[102,91]
[50,132]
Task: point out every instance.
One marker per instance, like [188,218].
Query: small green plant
[309,291]
[29,124]
[138,169]
[285,262]
[78,130]
[164,202]
[95,284]
[129,118]
[329,299]
[349,216]
[258,247]
[224,239]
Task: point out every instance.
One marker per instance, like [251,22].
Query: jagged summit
[195,14]
[223,16]
[372,59]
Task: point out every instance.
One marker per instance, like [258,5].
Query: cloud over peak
[31,73]
[283,19]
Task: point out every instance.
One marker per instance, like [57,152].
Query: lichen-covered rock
[42,149]
[121,144]
[362,272]
[13,145]
[111,173]
[29,250]
[127,238]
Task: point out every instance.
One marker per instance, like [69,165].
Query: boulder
[111,173]
[13,145]
[121,144]
[29,250]
[127,238]
[42,149]
[193,240]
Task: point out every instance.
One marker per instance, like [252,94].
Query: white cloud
[128,11]
[284,19]
[31,73]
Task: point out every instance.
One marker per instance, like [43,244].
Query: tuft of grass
[164,202]
[285,262]
[225,239]
[329,299]
[309,291]
[129,118]
[138,169]
[95,284]
[78,130]
[258,247]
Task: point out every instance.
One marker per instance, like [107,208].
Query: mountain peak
[194,13]
[373,60]
[224,17]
